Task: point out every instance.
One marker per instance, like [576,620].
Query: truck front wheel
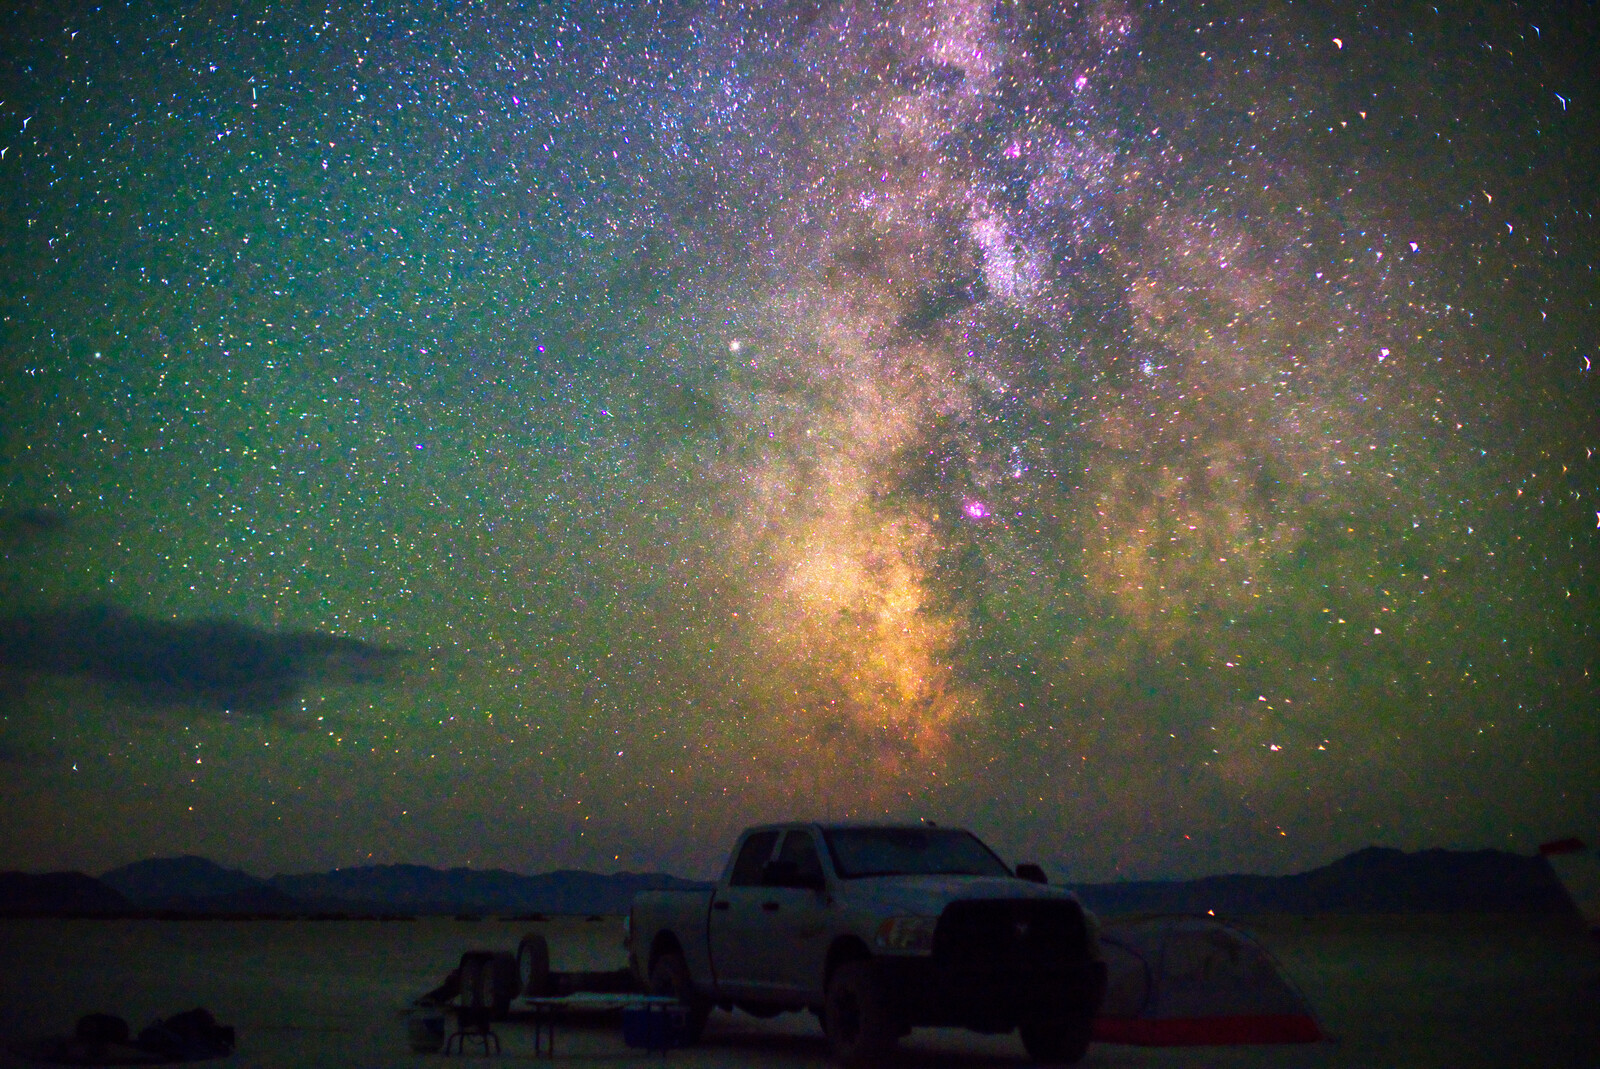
[1062,1040]
[670,976]
[857,1016]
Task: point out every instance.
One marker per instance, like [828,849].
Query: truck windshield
[910,852]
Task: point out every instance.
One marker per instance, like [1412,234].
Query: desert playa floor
[1447,991]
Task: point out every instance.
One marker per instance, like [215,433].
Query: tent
[1578,868]
[1194,981]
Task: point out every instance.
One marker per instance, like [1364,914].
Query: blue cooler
[658,1026]
[425,1030]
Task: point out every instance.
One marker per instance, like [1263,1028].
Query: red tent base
[1207,1031]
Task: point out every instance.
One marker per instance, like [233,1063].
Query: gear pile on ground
[106,1039]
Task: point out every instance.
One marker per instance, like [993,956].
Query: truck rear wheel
[670,976]
[857,1016]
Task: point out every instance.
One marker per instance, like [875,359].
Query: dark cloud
[19,525]
[21,756]
[216,665]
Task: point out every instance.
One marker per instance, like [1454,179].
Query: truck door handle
[720,905]
[769,907]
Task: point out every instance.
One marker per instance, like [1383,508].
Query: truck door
[738,928]
[800,919]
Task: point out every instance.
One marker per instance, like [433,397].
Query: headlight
[907,933]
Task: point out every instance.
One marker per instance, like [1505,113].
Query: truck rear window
[910,852]
[752,856]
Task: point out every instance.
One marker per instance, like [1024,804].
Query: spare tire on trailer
[473,971]
[504,984]
[489,978]
[533,966]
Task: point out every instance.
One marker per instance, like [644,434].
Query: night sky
[1159,437]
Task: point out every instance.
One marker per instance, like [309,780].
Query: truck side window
[752,858]
[800,849]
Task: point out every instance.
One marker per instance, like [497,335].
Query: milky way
[1159,439]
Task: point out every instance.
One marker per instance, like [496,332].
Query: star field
[1159,437]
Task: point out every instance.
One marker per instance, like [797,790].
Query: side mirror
[1032,873]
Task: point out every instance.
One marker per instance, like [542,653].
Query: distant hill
[1374,880]
[196,885]
[178,882]
[420,889]
[57,892]
[261,899]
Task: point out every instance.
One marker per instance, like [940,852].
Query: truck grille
[1010,935]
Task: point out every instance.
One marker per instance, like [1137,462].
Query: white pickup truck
[877,929]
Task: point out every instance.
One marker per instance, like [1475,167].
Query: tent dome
[1194,981]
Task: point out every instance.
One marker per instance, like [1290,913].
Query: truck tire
[857,1016]
[670,976]
[533,966]
[1059,1040]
